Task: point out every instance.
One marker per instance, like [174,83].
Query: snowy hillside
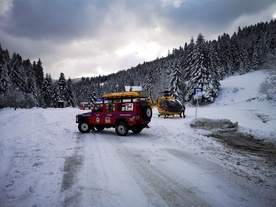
[45,161]
[239,100]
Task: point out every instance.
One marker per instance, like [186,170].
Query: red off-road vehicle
[123,111]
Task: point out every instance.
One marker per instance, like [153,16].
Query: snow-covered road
[145,170]
[123,172]
[45,161]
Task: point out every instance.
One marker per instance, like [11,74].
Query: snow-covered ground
[45,161]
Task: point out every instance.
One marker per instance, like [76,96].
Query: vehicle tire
[137,130]
[84,127]
[99,128]
[147,113]
[121,129]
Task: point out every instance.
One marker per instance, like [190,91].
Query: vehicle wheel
[84,127]
[137,130]
[99,128]
[147,113]
[121,129]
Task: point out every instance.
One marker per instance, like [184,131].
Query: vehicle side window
[129,106]
[125,107]
[110,107]
[98,108]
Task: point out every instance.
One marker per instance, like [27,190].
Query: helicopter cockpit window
[171,105]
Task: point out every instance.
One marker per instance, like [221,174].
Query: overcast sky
[99,37]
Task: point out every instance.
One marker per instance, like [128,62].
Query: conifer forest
[200,63]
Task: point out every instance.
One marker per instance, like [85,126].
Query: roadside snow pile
[214,124]
[240,99]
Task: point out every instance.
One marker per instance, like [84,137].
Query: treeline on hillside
[22,84]
[197,64]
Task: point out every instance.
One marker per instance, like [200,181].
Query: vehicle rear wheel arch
[121,120]
[137,130]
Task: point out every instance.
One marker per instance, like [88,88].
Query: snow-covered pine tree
[201,75]
[255,58]
[224,56]
[93,97]
[177,85]
[62,87]
[235,52]
[39,78]
[4,78]
[188,62]
[31,86]
[55,94]
[47,91]
[245,64]
[71,97]
[82,90]
[149,81]
[15,71]
[38,72]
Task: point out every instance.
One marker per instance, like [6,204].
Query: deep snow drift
[45,161]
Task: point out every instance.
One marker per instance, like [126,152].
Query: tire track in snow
[104,179]
[70,191]
[113,174]
[181,179]
[161,189]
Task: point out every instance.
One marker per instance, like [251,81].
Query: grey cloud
[75,36]
[213,13]
[72,19]
[52,19]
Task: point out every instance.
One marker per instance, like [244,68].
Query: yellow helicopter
[167,106]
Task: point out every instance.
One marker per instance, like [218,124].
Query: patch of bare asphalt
[247,144]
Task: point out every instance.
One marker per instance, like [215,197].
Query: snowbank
[214,124]
[240,101]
